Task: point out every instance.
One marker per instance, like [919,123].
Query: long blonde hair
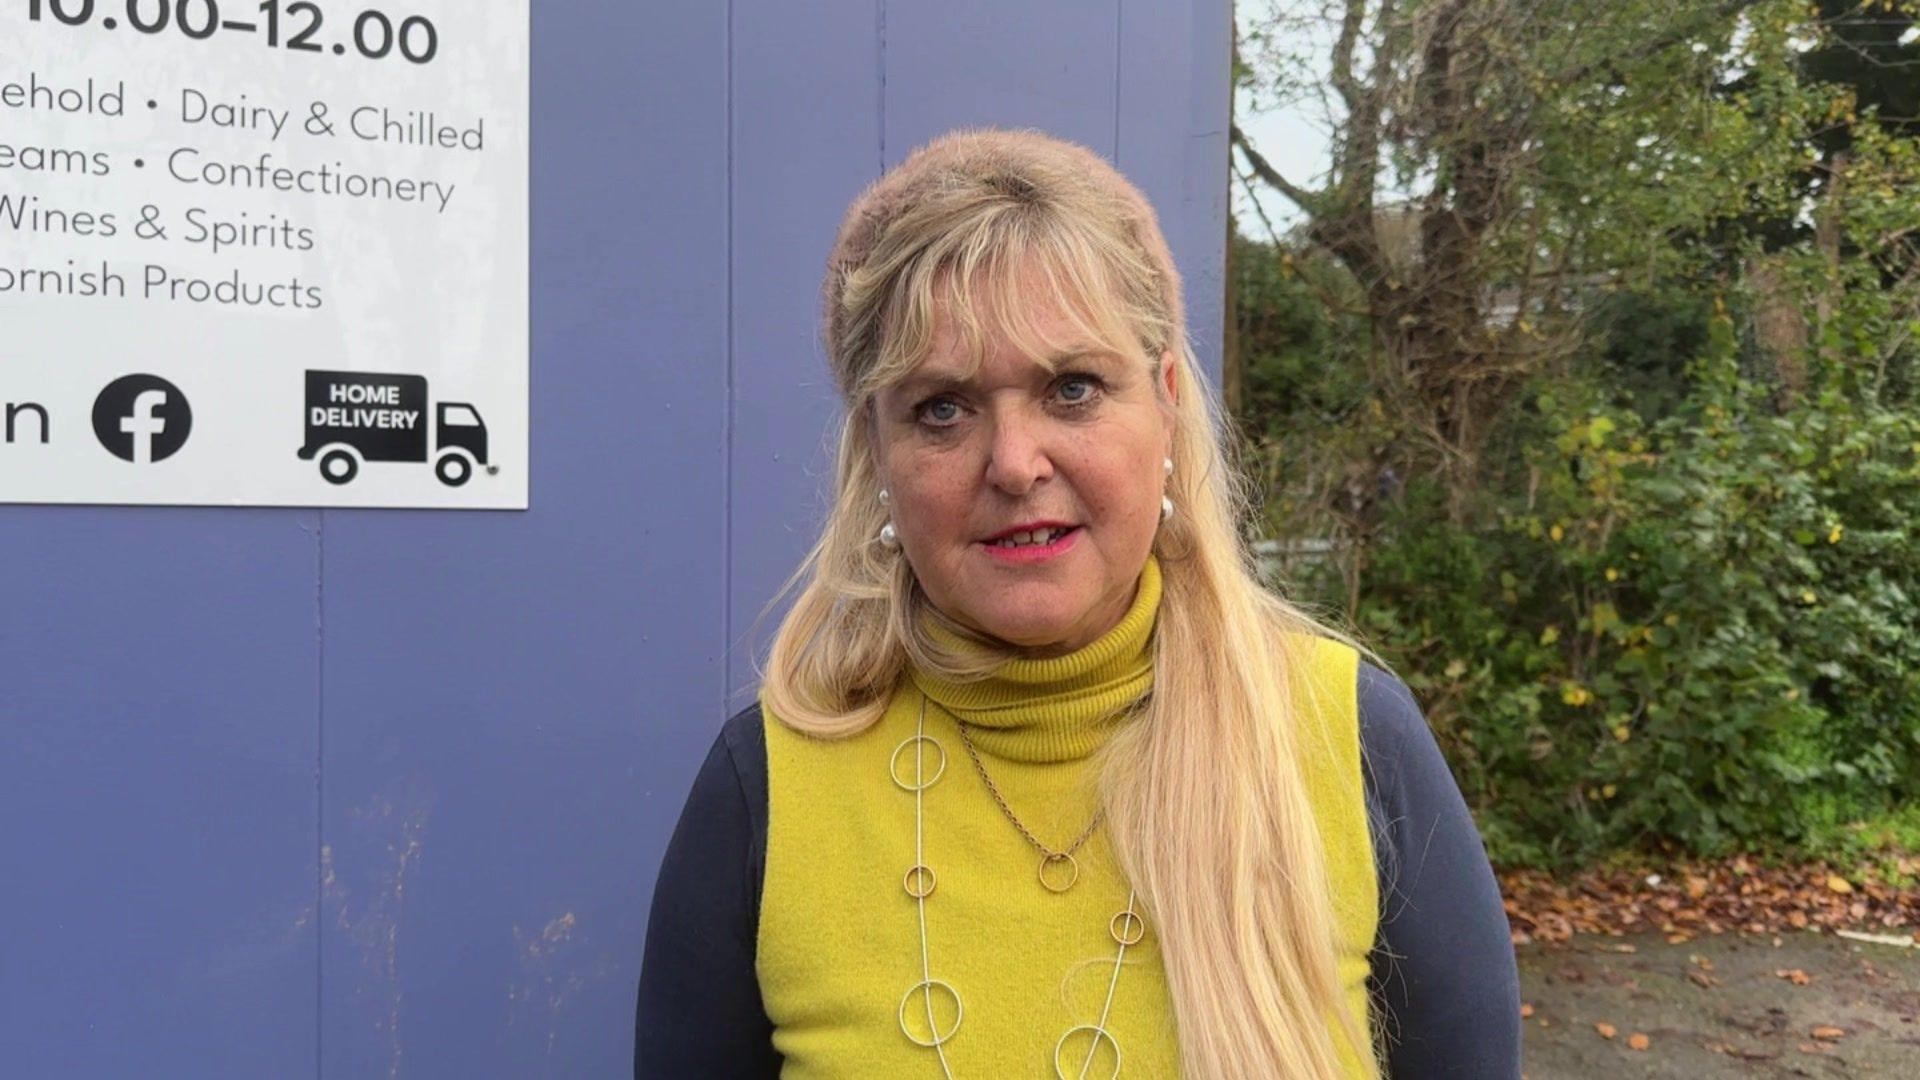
[1204,799]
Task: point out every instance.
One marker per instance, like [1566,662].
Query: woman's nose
[1016,454]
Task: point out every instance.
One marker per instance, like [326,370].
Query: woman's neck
[1060,706]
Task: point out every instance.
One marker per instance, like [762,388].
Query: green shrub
[1699,632]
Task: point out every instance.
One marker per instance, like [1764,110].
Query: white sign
[264,252]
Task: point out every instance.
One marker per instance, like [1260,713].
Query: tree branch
[1342,73]
[1310,201]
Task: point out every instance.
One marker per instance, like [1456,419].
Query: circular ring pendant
[1127,928]
[1099,1033]
[920,881]
[1050,874]
[925,987]
[893,764]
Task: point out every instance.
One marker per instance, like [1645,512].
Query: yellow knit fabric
[839,939]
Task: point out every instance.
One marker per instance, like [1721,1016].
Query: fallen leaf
[1526,1010]
[1638,1041]
[1839,884]
[1701,978]
[1740,897]
[1607,1031]
[1828,1032]
[1794,976]
[1905,941]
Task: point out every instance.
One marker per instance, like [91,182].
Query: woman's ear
[870,416]
[1170,383]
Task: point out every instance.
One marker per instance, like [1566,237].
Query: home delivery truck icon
[356,416]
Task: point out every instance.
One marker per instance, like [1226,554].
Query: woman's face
[970,463]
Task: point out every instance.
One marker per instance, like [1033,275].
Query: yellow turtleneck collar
[1064,707]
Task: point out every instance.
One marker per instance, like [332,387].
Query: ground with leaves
[1687,900]
[1720,970]
[1803,1003]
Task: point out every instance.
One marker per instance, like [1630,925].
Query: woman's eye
[939,411]
[1078,389]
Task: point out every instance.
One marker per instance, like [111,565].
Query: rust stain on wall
[370,913]
[553,972]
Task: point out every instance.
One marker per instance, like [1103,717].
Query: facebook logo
[142,419]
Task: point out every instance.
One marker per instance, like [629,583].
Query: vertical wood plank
[514,700]
[1174,87]
[157,740]
[806,140]
[1003,62]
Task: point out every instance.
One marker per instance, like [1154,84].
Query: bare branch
[1309,201]
[1253,197]
[1342,75]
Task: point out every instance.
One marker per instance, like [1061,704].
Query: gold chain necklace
[1126,927]
[1048,856]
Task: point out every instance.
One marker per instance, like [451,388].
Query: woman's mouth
[1036,545]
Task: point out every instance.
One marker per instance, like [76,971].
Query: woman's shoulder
[1382,705]
[744,733]
[1391,721]
[729,791]
[753,735]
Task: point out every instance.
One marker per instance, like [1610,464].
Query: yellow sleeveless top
[839,935]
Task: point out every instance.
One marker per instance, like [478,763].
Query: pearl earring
[1166,504]
[1166,466]
[888,538]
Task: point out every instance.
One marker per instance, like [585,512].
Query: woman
[1041,781]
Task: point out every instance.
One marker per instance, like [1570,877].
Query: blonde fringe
[1204,796]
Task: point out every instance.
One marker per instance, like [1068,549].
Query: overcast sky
[1291,137]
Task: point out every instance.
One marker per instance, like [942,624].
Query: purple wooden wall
[382,793]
